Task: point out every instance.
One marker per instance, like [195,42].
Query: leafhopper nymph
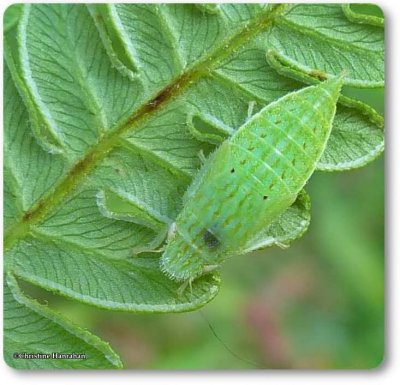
[252,178]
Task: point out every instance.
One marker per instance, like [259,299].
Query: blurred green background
[318,304]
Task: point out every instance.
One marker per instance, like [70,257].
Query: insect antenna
[231,351]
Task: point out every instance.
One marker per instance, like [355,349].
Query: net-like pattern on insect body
[251,178]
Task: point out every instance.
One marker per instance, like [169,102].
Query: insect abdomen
[254,176]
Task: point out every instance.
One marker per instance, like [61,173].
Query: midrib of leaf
[109,140]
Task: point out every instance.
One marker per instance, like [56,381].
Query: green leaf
[135,285]
[98,143]
[364,14]
[334,43]
[209,8]
[30,328]
[78,230]
[11,16]
[356,140]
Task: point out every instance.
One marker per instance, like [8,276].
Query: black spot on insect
[210,239]
[233,170]
[265,197]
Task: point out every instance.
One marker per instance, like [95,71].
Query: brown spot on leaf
[163,95]
[27,216]
[318,75]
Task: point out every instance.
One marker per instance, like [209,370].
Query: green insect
[251,179]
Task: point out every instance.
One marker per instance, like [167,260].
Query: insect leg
[155,246]
[282,245]
[171,232]
[209,268]
[201,156]
[206,269]
[250,109]
[184,285]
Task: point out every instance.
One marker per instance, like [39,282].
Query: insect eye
[233,170]
[265,197]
